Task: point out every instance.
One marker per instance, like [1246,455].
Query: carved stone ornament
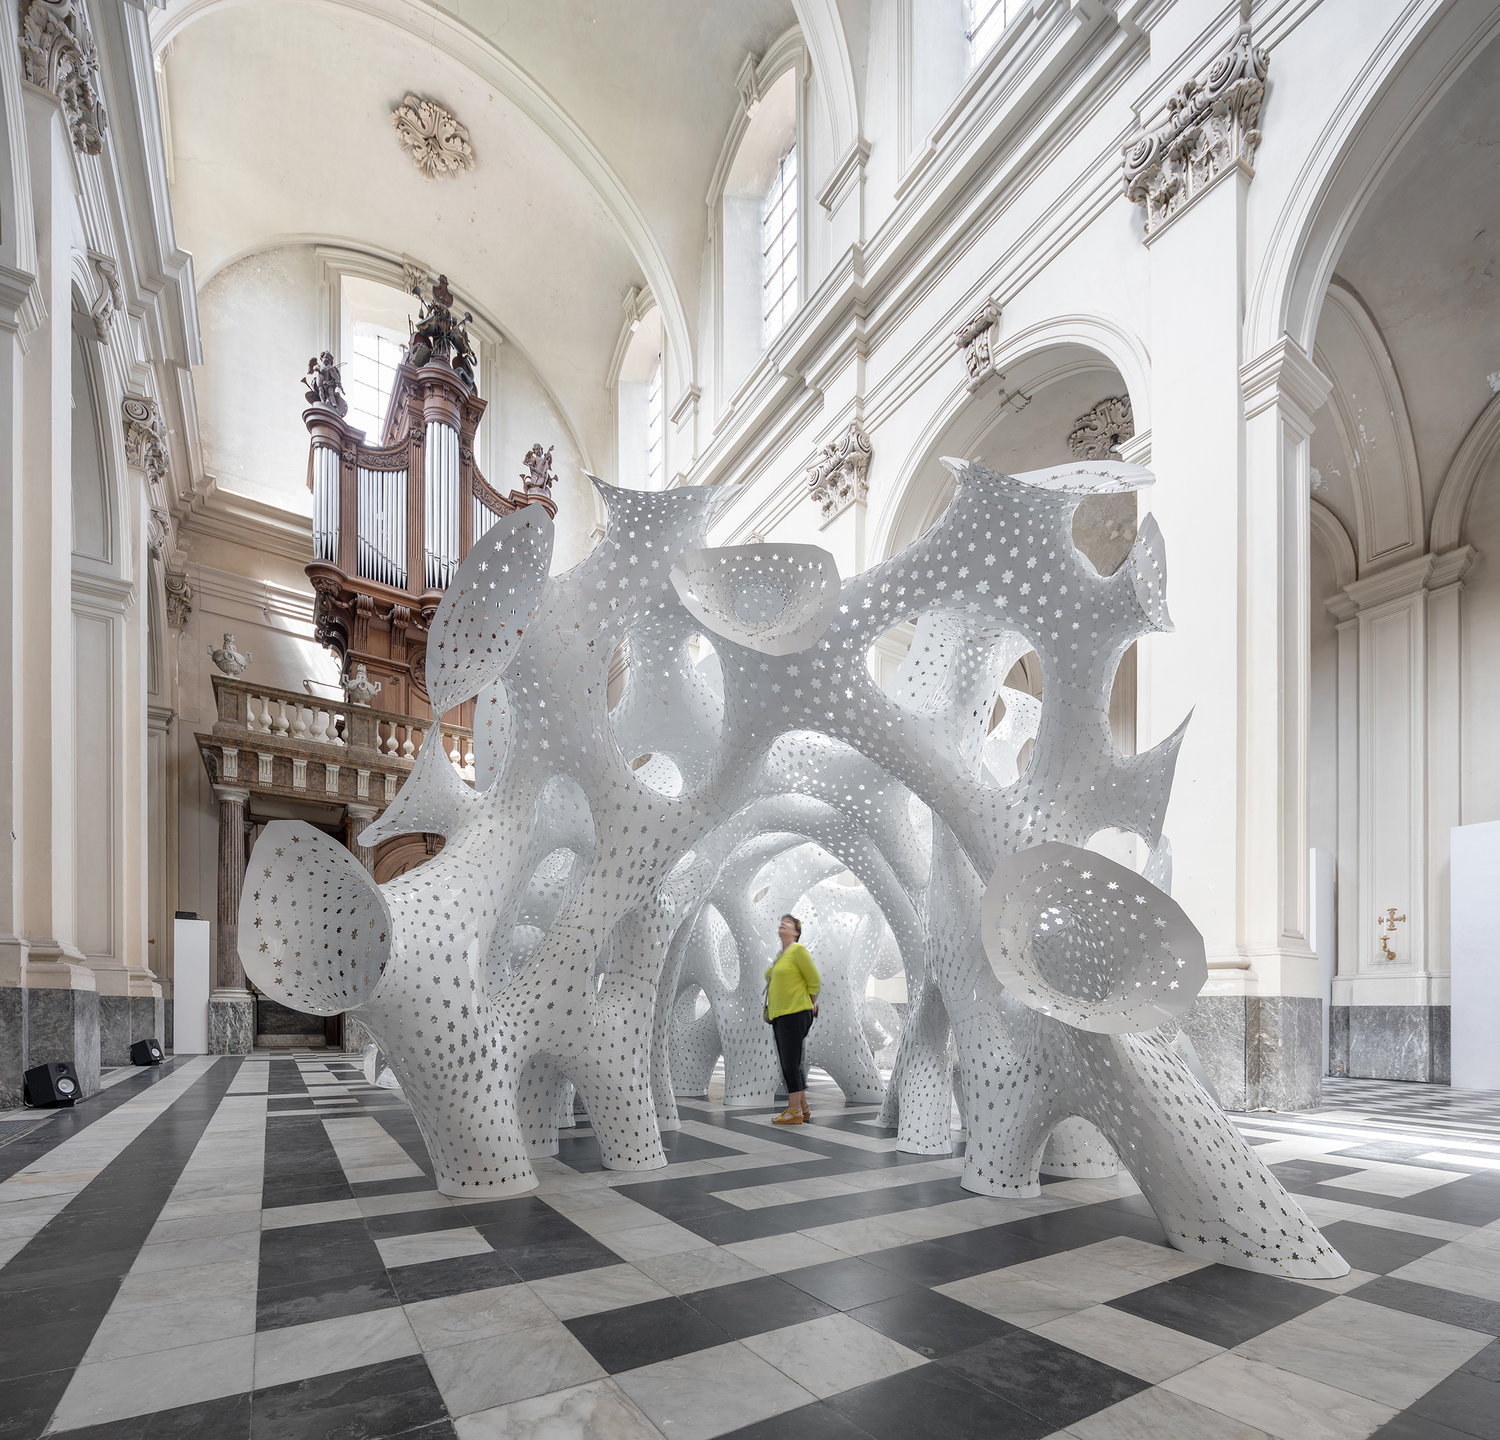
[111,296]
[229,658]
[438,145]
[1099,434]
[179,597]
[145,437]
[414,277]
[836,479]
[158,530]
[976,338]
[58,54]
[1210,128]
[359,689]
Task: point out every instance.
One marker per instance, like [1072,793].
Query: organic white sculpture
[551,940]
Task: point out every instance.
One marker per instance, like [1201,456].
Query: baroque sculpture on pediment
[836,479]
[1098,434]
[145,437]
[325,383]
[438,145]
[538,477]
[976,339]
[440,334]
[58,55]
[1210,127]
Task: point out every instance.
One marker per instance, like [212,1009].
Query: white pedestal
[190,985]
[1474,879]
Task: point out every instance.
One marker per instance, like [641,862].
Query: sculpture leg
[1211,1192]
[751,1073]
[614,1078]
[925,1102]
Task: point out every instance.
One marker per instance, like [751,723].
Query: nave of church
[520,517]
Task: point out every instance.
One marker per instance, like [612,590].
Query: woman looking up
[792,987]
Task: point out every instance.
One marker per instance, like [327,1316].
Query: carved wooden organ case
[391,523]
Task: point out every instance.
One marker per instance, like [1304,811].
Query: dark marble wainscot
[231,1025]
[64,1025]
[147,1018]
[12,1044]
[1391,1042]
[114,1030]
[1263,1052]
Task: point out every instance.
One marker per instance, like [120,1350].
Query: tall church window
[656,431]
[984,22]
[778,239]
[370,374]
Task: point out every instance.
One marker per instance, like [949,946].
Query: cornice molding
[242,520]
[1284,375]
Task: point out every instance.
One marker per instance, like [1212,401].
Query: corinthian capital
[1210,129]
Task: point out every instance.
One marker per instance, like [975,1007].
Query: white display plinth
[1474,876]
[190,983]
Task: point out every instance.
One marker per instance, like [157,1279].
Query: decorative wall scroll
[615,864]
[975,338]
[145,437]
[438,145]
[836,479]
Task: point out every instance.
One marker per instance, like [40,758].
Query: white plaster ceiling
[1424,260]
[280,127]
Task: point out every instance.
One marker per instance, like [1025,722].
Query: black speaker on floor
[55,1083]
[146,1052]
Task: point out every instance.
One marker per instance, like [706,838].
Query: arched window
[778,246]
[656,431]
[375,320]
[985,22]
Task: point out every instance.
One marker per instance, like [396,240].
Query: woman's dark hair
[795,921]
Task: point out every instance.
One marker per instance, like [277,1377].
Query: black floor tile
[226,1419]
[846,1284]
[931,1324]
[1486,1363]
[926,1262]
[436,1278]
[43,1328]
[374,1402]
[304,1254]
[1057,1385]
[1201,1314]
[932,1402]
[1267,1294]
[522,1229]
[996,1246]
[1407,1426]
[751,1307]
[408,1185]
[1376,1249]
[1299,1175]
[503,1212]
[326,1299]
[27,1402]
[1467,1311]
[557,1257]
[811,1422]
[1464,1402]
[1473,1200]
[415,1222]
[636,1335]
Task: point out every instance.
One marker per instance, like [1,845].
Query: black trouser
[790,1032]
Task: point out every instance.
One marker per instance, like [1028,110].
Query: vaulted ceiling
[596,126]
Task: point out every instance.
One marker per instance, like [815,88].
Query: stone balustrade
[279,742]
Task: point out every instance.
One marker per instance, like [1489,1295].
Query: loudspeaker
[55,1083]
[146,1052]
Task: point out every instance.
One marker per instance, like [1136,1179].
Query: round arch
[1415,63]
[1103,342]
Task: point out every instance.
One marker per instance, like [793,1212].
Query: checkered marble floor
[227,1248]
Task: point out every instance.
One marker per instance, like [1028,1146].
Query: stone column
[356,1037]
[1390,992]
[231,1008]
[1230,450]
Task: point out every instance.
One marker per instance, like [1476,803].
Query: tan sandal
[806,1116]
[789,1117]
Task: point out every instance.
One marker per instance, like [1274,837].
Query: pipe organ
[392,521]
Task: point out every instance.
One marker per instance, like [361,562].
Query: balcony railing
[279,742]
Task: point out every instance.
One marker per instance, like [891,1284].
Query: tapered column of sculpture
[356,1036]
[231,1009]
